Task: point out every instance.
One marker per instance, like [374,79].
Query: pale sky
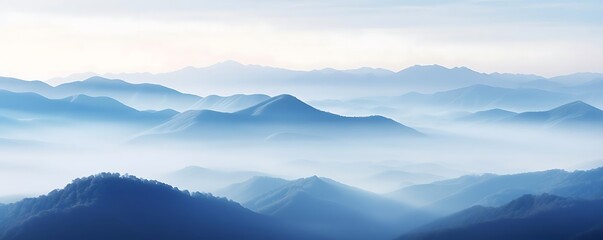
[42,39]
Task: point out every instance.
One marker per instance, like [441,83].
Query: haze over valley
[303,119]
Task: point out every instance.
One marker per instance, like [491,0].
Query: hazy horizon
[541,37]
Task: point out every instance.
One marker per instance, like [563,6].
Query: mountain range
[142,96]
[231,77]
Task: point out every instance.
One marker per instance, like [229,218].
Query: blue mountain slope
[237,77]
[109,206]
[569,115]
[527,217]
[483,97]
[287,107]
[493,115]
[425,78]
[18,85]
[74,108]
[334,209]
[577,78]
[494,190]
[140,96]
[203,179]
[228,104]
[250,189]
[279,114]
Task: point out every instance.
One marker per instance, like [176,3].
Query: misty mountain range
[229,76]
[277,115]
[142,96]
[352,123]
[452,195]
[110,206]
[283,117]
[117,207]
[338,210]
[571,116]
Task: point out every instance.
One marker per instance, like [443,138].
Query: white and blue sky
[41,39]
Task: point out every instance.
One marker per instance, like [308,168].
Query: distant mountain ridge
[74,108]
[481,97]
[142,96]
[228,104]
[225,77]
[252,188]
[573,116]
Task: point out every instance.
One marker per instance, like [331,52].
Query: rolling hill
[75,108]
[527,217]
[251,188]
[571,115]
[334,209]
[453,195]
[228,104]
[280,114]
[110,206]
[482,97]
[488,116]
[140,96]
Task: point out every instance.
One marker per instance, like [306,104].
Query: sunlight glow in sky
[42,39]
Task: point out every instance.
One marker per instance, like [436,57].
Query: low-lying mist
[37,161]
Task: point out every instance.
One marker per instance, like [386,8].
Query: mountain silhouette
[480,97]
[140,96]
[334,209]
[283,113]
[492,115]
[571,115]
[111,206]
[251,188]
[75,108]
[228,104]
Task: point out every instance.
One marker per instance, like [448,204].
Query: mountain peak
[98,79]
[425,68]
[577,105]
[575,108]
[228,64]
[282,106]
[313,178]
